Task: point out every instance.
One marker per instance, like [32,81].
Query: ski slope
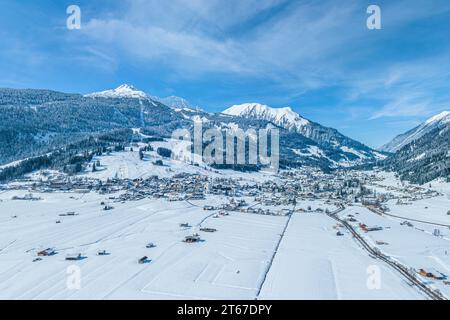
[127,165]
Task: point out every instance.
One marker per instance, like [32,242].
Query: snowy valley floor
[251,256]
[310,263]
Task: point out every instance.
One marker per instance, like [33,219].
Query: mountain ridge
[417,132]
[292,121]
[425,158]
[36,121]
[122,91]
[284,117]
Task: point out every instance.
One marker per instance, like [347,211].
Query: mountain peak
[122,91]
[126,86]
[335,145]
[284,117]
[178,104]
[443,116]
[402,140]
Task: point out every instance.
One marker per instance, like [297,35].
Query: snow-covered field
[250,256]
[412,246]
[321,265]
[228,264]
[432,210]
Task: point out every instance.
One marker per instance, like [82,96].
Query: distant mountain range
[284,117]
[123,91]
[129,91]
[438,121]
[423,153]
[178,104]
[34,122]
[350,151]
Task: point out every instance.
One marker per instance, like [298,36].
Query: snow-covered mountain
[440,120]
[423,153]
[37,121]
[34,122]
[177,103]
[129,91]
[123,91]
[284,117]
[342,150]
[425,158]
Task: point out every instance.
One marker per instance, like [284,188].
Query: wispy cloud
[303,47]
[212,36]
[407,89]
[403,106]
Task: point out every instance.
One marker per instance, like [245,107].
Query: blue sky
[315,56]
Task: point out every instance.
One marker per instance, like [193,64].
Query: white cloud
[296,46]
[182,50]
[303,46]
